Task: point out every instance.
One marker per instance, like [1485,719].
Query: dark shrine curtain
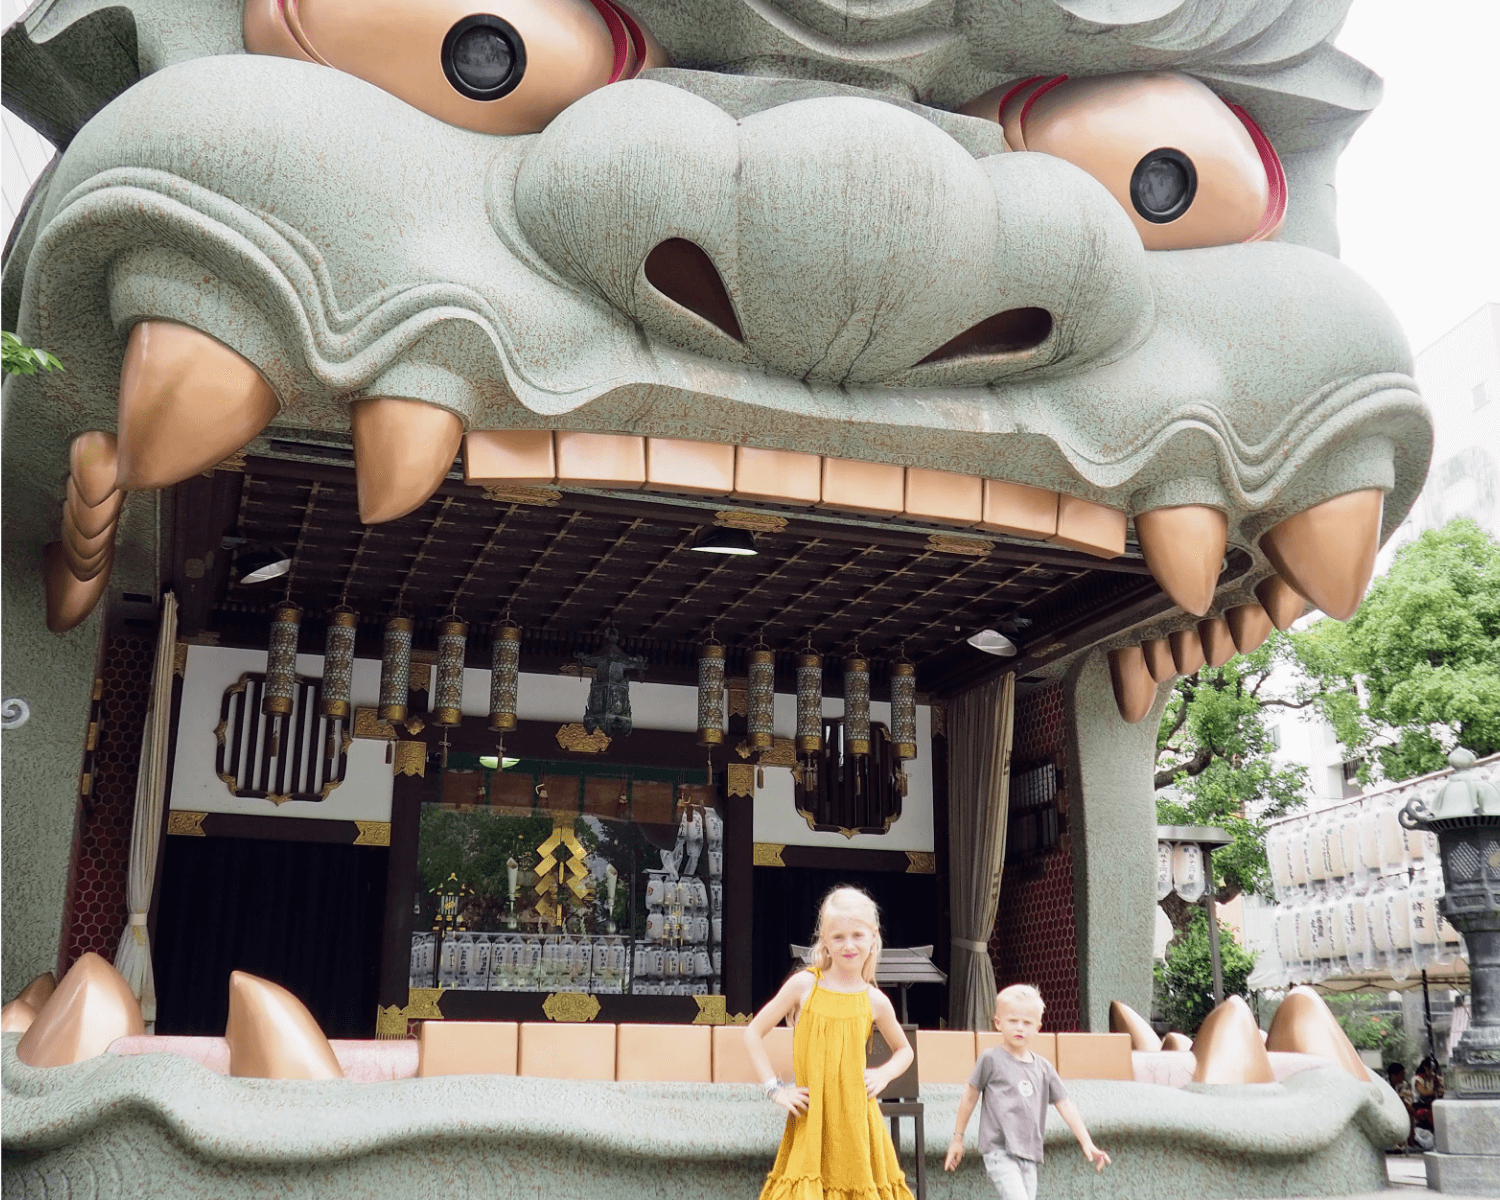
[306,915]
[786,909]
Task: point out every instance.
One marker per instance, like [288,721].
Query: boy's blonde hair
[847,901]
[1019,993]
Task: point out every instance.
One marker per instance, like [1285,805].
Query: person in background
[1427,1087]
[1395,1075]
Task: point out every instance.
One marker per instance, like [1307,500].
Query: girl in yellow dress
[835,1144]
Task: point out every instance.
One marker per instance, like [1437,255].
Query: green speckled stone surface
[154,1125]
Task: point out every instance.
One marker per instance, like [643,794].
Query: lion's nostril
[682,271]
[1004,333]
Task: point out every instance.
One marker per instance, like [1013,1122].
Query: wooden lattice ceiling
[570,566]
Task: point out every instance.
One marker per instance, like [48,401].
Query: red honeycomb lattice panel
[94,915]
[1034,939]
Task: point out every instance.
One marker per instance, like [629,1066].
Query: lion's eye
[1190,169]
[509,69]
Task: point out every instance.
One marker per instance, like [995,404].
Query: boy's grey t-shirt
[1013,1101]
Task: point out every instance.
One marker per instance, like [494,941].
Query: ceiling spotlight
[993,642]
[726,541]
[261,563]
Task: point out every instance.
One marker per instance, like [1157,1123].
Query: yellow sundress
[839,1149]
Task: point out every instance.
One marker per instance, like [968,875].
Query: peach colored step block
[467,1048]
[863,486]
[787,476]
[496,456]
[1018,510]
[944,1055]
[1044,1044]
[1092,528]
[944,496]
[608,460]
[664,1053]
[1094,1056]
[566,1050]
[678,465]
[732,1061]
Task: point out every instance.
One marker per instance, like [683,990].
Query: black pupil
[1161,185]
[482,58]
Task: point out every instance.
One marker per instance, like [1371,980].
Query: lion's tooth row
[789,477]
[187,402]
[1135,671]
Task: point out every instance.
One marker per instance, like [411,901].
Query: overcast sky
[1419,186]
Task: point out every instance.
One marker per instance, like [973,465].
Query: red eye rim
[1275,176]
[1034,97]
[618,34]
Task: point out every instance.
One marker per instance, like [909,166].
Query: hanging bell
[760,700]
[395,668]
[448,692]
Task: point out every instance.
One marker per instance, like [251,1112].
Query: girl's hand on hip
[793,1099]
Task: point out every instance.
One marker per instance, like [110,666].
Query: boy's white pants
[1014,1178]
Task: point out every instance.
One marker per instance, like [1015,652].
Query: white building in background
[24,153]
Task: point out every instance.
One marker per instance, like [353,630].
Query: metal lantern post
[1465,815]
[810,714]
[1206,839]
[395,668]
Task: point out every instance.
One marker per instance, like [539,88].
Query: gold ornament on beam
[281,668]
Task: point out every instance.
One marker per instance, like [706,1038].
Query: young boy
[1017,1086]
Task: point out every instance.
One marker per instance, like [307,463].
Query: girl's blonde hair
[848,901]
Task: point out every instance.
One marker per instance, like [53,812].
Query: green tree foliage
[17,358]
[1214,751]
[1185,982]
[1372,1024]
[1416,671]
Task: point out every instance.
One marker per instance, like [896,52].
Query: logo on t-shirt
[1025,1088]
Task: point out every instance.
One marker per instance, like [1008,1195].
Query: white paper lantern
[1380,938]
[1319,933]
[1317,865]
[1297,852]
[1356,932]
[1369,838]
[1337,933]
[1398,918]
[1286,938]
[1348,823]
[1392,841]
[1333,847]
[1276,858]
[1163,870]
[1302,915]
[1422,905]
[1187,871]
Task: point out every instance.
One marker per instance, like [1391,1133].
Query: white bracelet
[772,1088]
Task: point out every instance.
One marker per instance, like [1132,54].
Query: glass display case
[545,876]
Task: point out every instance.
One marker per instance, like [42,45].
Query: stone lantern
[1465,815]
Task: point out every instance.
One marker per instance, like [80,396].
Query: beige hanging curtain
[980,726]
[133,958]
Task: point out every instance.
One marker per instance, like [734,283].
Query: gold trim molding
[740,779]
[570,1006]
[179,659]
[573,737]
[921,862]
[367,724]
[939,719]
[185,824]
[373,833]
[767,854]
[411,758]
[712,1010]
[757,522]
[421,1005]
[521,494]
[949,543]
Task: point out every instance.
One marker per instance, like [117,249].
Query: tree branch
[1194,766]
[1287,703]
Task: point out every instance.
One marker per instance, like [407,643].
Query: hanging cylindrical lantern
[505,676]
[1188,877]
[448,692]
[395,668]
[710,694]
[338,663]
[904,709]
[809,703]
[281,660]
[856,705]
[1163,870]
[760,700]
